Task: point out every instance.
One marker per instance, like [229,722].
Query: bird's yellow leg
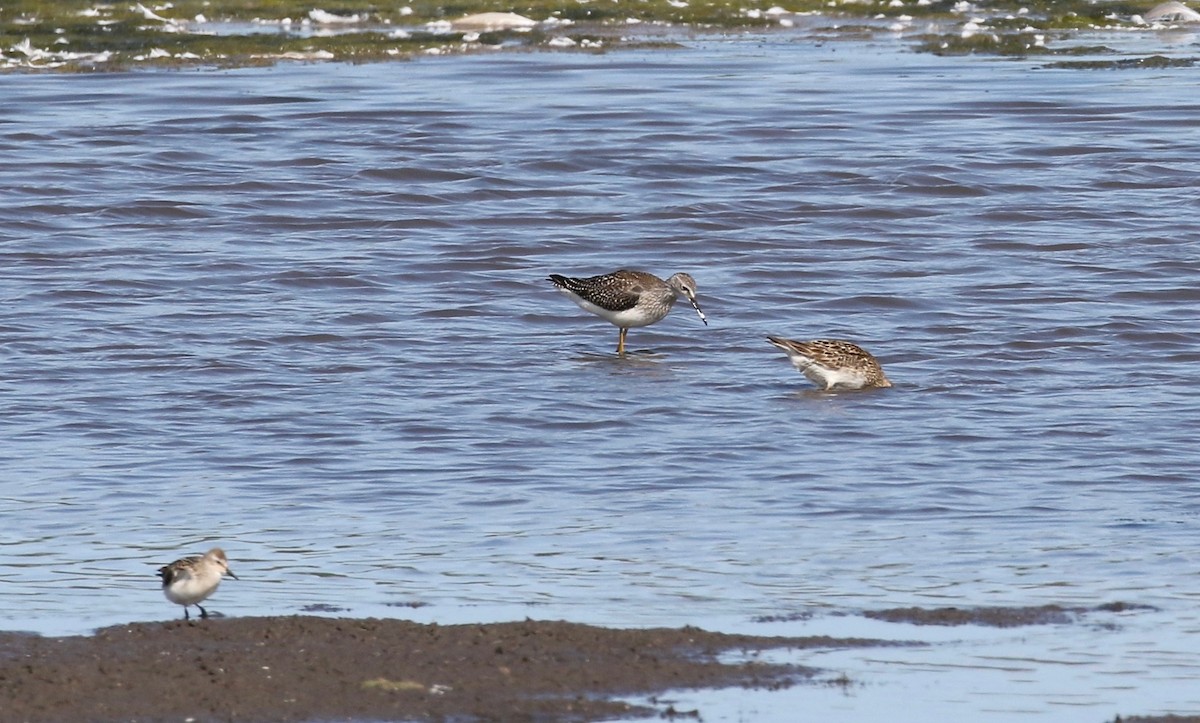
[621,341]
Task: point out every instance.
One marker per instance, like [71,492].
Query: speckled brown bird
[833,364]
[190,580]
[628,298]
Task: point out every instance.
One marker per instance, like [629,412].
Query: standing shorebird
[832,363]
[192,579]
[628,298]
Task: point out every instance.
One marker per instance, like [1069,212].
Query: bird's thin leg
[203,612]
[185,613]
[621,341]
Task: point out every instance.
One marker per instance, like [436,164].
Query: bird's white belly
[628,318]
[830,378]
[827,377]
[190,591]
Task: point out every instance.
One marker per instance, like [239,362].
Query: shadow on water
[645,358]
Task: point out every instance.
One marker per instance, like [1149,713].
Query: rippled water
[301,312]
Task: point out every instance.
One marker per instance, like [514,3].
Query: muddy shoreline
[307,668]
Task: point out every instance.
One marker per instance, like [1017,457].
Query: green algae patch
[1029,29]
[394,685]
[1013,45]
[75,35]
[83,35]
[1151,62]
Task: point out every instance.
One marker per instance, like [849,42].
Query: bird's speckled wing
[177,570]
[618,291]
[833,353]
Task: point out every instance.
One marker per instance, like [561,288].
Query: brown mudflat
[312,668]
[1159,719]
[1000,617]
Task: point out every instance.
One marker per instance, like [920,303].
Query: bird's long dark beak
[696,306]
[230,573]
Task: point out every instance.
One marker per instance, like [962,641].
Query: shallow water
[300,312]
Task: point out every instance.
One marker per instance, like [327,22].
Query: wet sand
[312,668]
[306,668]
[1158,719]
[997,617]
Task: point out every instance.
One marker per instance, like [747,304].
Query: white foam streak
[322,17]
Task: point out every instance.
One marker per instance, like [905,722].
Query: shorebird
[1171,12]
[189,580]
[831,363]
[628,298]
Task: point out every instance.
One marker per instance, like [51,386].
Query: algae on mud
[88,35]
